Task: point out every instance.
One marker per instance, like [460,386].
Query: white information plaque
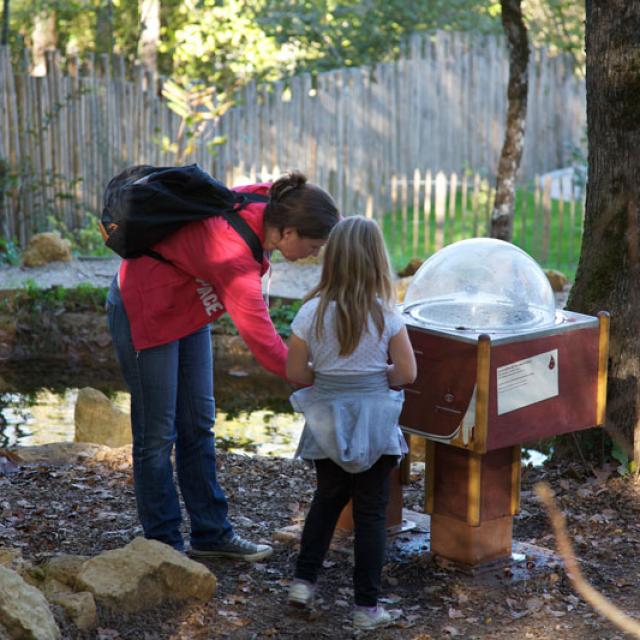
[527,381]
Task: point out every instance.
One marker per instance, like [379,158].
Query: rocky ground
[86,506]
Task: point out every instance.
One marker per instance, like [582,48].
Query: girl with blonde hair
[342,339]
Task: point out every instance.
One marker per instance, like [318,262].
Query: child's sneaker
[301,593]
[371,617]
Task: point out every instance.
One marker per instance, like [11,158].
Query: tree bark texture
[104,27]
[5,22]
[608,276]
[44,37]
[511,155]
[150,33]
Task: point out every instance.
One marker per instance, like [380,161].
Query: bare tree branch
[599,602]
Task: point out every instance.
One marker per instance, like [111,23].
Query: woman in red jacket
[159,314]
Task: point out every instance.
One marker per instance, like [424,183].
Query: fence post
[428,186]
[440,209]
[416,212]
[546,218]
[453,193]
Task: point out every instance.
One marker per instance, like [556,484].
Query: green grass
[551,237]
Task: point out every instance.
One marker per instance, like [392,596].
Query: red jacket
[214,272]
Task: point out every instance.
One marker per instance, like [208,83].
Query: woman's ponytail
[286,184]
[305,207]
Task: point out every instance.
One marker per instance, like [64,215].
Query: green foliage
[76,24]
[10,252]
[223,43]
[226,443]
[86,240]
[625,464]
[559,26]
[282,314]
[329,34]
[34,300]
[197,108]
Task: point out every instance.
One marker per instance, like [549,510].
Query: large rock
[557,279]
[11,558]
[80,607]
[24,611]
[144,574]
[99,421]
[61,453]
[64,568]
[410,268]
[45,248]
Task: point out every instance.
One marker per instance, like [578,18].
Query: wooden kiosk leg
[472,499]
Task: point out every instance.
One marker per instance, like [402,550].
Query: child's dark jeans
[369,491]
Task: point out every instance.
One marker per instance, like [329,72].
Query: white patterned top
[371,354]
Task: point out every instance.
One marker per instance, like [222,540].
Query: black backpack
[144,204]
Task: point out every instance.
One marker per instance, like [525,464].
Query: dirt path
[288,280]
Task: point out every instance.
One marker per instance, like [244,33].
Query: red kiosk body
[498,367]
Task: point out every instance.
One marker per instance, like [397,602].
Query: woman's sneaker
[301,593]
[371,617]
[236,548]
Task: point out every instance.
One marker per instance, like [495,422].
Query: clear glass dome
[482,284]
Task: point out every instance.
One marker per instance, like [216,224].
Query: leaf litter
[87,508]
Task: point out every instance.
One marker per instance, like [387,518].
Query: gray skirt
[350,419]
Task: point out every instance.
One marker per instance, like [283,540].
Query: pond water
[37,404]
[33,413]
[46,416]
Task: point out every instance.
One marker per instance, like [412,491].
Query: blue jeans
[172,405]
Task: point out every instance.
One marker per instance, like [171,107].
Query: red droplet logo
[552,363]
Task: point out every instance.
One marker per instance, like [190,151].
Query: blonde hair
[356,275]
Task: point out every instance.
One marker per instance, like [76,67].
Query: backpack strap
[246,233]
[242,228]
[239,225]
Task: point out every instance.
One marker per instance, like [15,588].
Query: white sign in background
[527,381]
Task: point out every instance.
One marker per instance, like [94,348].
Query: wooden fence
[444,106]
[430,210]
[63,135]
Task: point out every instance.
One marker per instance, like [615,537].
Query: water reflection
[533,457]
[46,416]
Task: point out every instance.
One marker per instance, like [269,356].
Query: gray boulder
[24,611]
[144,574]
[97,420]
[80,607]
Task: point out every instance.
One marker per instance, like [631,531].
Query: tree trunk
[511,155]
[150,33]
[104,27]
[44,38]
[608,276]
[5,22]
